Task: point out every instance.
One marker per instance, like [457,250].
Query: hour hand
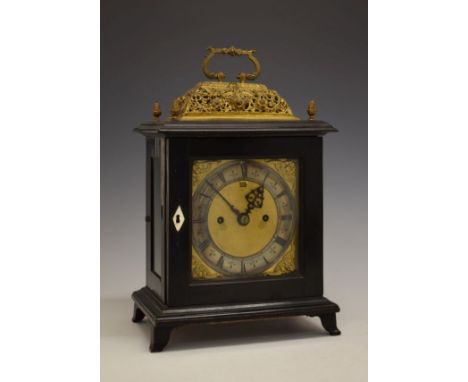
[254,199]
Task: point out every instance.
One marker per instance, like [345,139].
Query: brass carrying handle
[232,51]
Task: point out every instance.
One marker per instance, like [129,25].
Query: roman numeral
[198,221]
[243,169]
[280,241]
[204,245]
[221,177]
[286,217]
[220,262]
[205,196]
[211,186]
[243,267]
[281,194]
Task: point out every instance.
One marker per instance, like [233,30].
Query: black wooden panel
[181,153]
[154,221]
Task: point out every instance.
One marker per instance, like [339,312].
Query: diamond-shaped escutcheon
[178,219]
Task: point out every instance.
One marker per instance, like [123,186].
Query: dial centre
[241,234]
[243,219]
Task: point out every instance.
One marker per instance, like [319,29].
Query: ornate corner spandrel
[200,271]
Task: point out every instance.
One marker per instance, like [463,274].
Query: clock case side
[155,218]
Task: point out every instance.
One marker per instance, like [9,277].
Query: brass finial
[311,109]
[156,111]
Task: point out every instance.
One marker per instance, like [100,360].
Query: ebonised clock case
[171,298]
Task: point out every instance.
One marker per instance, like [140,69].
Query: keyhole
[178,219]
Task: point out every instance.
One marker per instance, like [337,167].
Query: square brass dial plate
[244,218]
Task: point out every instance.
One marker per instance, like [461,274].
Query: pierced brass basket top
[219,100]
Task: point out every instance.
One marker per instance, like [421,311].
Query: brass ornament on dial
[244,219]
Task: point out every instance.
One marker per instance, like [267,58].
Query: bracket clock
[233,208]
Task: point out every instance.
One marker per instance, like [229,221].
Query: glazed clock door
[246,219]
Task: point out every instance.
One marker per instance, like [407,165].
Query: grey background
[152,50]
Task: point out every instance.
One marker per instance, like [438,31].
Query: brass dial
[244,217]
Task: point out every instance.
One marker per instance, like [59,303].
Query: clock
[234,211]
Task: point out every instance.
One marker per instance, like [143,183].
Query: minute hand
[233,209]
